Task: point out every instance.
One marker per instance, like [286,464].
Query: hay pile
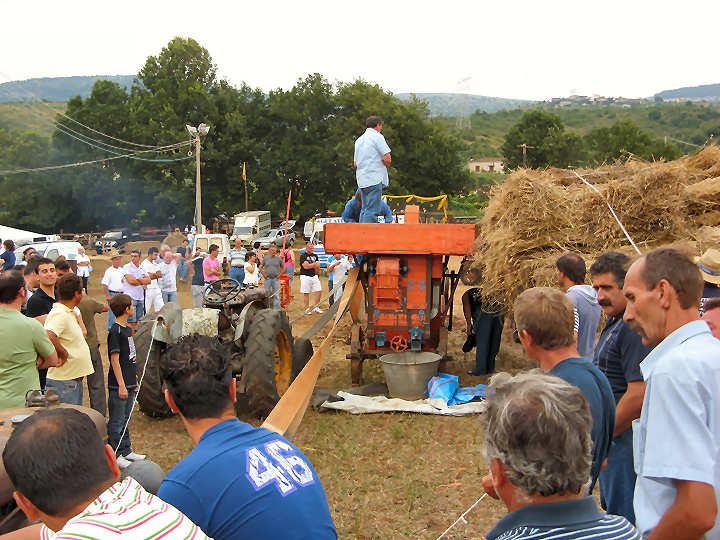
[174,239]
[536,215]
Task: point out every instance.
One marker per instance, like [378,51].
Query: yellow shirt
[62,321]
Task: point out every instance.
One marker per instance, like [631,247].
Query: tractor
[265,358]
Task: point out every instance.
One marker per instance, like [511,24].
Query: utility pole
[196,133]
[525,147]
[245,181]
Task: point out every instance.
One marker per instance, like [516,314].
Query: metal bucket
[407,373]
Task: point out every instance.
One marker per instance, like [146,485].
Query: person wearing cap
[112,282]
[709,265]
[153,293]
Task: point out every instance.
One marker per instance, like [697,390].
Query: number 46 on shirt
[277,464]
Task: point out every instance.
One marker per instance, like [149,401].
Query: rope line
[462,519]
[132,408]
[624,230]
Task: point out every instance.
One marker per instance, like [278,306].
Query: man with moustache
[677,437]
[618,354]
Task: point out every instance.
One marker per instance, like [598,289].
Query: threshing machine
[407,287]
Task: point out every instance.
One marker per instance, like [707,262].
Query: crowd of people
[634,410]
[637,411]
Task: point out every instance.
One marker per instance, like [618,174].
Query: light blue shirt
[678,433]
[370,147]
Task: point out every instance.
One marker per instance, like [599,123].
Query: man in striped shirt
[537,444]
[66,477]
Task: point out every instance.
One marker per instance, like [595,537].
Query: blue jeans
[119,413]
[237,273]
[139,311]
[617,481]
[290,271]
[182,270]
[371,203]
[272,286]
[71,391]
[169,296]
[111,315]
[331,299]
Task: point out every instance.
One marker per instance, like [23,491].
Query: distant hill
[35,117]
[705,91]
[56,89]
[465,104]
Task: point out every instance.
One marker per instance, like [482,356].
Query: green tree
[606,144]
[553,146]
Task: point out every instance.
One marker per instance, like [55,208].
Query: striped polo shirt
[577,519]
[126,509]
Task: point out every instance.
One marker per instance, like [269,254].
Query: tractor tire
[150,397]
[268,360]
[302,353]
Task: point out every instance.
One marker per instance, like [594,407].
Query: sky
[513,49]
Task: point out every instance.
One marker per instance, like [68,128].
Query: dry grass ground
[385,475]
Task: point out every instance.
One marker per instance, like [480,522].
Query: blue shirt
[569,520]
[677,436]
[246,482]
[618,354]
[588,313]
[351,214]
[370,147]
[582,373]
[8,258]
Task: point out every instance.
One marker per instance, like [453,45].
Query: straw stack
[536,215]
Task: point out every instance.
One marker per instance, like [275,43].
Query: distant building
[494,164]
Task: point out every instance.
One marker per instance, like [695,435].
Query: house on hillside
[494,164]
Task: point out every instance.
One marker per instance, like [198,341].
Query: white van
[204,241]
[251,225]
[51,250]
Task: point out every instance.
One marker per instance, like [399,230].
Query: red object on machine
[285,296]
[407,284]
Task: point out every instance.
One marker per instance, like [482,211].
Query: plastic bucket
[407,373]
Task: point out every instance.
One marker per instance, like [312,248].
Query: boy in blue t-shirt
[122,381]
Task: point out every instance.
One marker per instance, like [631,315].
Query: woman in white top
[83,267]
[252,274]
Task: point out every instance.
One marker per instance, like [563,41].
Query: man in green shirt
[26,346]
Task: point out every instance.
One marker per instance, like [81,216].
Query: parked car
[275,236]
[51,250]
[115,240]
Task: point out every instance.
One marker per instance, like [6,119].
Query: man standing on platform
[372,159]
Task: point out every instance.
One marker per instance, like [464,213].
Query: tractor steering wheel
[221,291]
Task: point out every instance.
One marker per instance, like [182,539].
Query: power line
[85,138]
[39,100]
[81,163]
[668,137]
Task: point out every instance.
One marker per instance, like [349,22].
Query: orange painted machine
[407,288]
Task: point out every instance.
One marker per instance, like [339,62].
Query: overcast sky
[517,49]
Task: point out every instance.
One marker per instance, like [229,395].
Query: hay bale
[708,237]
[536,215]
[174,239]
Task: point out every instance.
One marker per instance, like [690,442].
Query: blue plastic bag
[447,387]
[442,386]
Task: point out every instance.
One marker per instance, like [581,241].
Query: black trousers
[488,332]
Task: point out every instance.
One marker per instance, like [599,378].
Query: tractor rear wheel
[268,362]
[151,397]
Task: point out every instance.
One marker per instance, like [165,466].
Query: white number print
[278,465]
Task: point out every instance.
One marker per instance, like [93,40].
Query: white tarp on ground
[18,235]
[373,404]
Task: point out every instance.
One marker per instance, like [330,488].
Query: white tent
[21,237]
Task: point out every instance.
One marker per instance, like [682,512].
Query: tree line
[301,138]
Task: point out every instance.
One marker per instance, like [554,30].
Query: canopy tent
[21,237]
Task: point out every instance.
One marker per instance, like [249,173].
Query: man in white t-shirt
[338,265]
[168,281]
[153,294]
[112,282]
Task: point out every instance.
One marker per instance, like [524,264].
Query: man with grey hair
[676,439]
[538,448]
[544,319]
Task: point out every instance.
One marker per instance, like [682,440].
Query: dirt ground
[386,475]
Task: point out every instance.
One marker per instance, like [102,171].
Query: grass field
[385,475]
[29,116]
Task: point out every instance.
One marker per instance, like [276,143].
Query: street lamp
[196,133]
